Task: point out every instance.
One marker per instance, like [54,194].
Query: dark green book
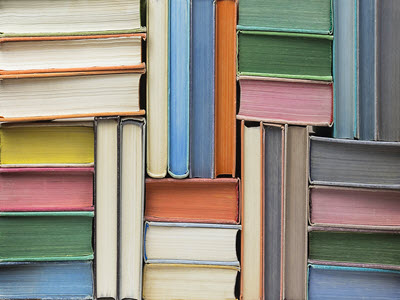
[285,55]
[45,236]
[355,247]
[310,16]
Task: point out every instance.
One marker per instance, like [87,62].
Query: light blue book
[202,102]
[345,283]
[345,68]
[179,88]
[46,280]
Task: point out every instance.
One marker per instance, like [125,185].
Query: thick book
[191,243]
[179,87]
[290,16]
[331,282]
[106,204]
[378,117]
[201,144]
[47,96]
[29,18]
[46,236]
[47,144]
[193,200]
[46,189]
[225,87]
[181,281]
[305,56]
[131,205]
[157,88]
[70,53]
[354,207]
[292,101]
[345,68]
[46,280]
[354,163]
[354,247]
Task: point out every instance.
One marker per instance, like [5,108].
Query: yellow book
[47,144]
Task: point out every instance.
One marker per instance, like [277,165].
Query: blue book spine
[46,280]
[345,68]
[332,282]
[202,101]
[179,88]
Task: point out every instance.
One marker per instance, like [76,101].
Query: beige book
[157,88]
[106,164]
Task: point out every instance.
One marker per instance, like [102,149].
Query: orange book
[225,88]
[193,200]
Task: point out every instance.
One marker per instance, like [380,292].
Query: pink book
[354,207]
[292,101]
[46,189]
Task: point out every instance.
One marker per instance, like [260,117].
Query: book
[354,207]
[345,68]
[377,108]
[292,101]
[201,143]
[289,16]
[44,16]
[46,236]
[157,88]
[47,96]
[331,282]
[306,56]
[46,189]
[225,87]
[191,243]
[344,162]
[179,87]
[174,281]
[131,205]
[193,200]
[47,144]
[106,203]
[46,280]
[354,247]
[70,53]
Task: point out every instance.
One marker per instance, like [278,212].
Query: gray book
[343,162]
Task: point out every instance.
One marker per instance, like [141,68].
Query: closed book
[193,200]
[48,96]
[70,53]
[345,68]
[46,280]
[46,189]
[181,281]
[331,282]
[179,88]
[157,88]
[305,56]
[354,207]
[354,247]
[202,86]
[46,236]
[47,144]
[191,243]
[131,205]
[45,16]
[225,87]
[289,16]
[291,101]
[354,163]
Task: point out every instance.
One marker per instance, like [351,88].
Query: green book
[45,236]
[285,55]
[355,246]
[307,16]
